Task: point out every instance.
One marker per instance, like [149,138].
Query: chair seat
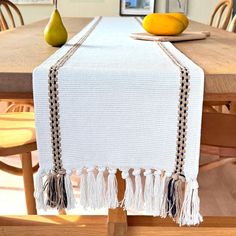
[16,129]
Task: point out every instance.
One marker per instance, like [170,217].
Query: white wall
[77,8]
[33,13]
[198,9]
[201,10]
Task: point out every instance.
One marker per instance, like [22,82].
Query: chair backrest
[232,26]
[223,11]
[8,10]
[20,107]
[218,130]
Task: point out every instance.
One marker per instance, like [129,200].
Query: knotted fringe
[55,190]
[174,196]
[190,212]
[158,191]
[91,189]
[127,202]
[101,188]
[71,202]
[138,194]
[112,198]
[148,190]
[83,189]
[39,192]
[163,194]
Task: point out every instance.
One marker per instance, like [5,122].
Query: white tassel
[157,193]
[190,212]
[138,195]
[39,191]
[148,191]
[71,202]
[129,192]
[101,188]
[91,188]
[83,189]
[112,198]
[163,194]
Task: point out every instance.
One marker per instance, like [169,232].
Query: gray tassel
[174,196]
[55,190]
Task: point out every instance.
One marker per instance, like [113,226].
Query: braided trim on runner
[58,186]
[182,112]
[175,197]
[54,100]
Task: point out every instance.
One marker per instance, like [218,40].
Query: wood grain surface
[23,49]
[175,38]
[117,218]
[96,225]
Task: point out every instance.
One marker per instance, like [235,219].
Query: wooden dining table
[23,49]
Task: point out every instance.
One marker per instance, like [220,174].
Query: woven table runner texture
[117,105]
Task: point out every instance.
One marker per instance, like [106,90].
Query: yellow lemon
[181,17]
[163,24]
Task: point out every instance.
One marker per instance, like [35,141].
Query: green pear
[55,33]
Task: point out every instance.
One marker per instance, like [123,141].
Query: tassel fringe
[56,191]
[71,202]
[190,212]
[112,190]
[162,194]
[101,188]
[157,193]
[148,191]
[83,189]
[138,194]
[127,202]
[91,189]
[174,197]
[39,192]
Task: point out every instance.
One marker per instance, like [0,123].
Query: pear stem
[55,4]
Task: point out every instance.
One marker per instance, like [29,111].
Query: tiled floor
[217,191]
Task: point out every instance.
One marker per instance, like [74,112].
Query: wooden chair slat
[3,21]
[8,10]
[9,6]
[224,6]
[221,11]
[15,170]
[232,25]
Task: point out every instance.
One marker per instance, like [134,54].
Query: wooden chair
[219,130]
[17,136]
[223,11]
[7,8]
[20,106]
[232,26]
[218,138]
[8,21]
[220,18]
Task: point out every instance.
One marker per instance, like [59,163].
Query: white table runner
[105,102]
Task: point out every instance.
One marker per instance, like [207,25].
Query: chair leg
[117,218]
[26,161]
[62,212]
